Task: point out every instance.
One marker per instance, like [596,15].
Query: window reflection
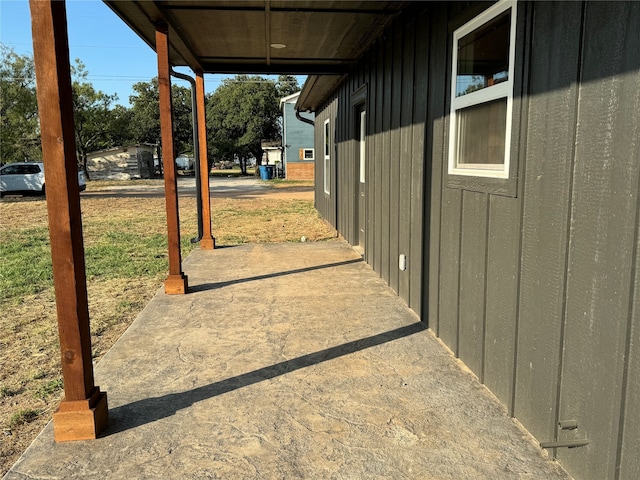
[483,56]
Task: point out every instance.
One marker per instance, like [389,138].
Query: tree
[145,115]
[287,85]
[119,126]
[474,83]
[145,112]
[19,125]
[91,111]
[182,119]
[240,114]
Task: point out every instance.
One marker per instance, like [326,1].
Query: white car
[27,178]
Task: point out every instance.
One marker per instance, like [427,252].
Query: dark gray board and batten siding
[534,285]
[603,235]
[396,136]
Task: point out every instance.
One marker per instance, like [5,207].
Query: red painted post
[207,242]
[83,413]
[176,282]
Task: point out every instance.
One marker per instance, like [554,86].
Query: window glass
[481,133]
[363,140]
[327,158]
[21,169]
[483,56]
[326,138]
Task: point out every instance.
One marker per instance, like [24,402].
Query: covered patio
[276,361]
[208,37]
[288,361]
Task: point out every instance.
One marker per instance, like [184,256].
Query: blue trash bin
[269,172]
[264,173]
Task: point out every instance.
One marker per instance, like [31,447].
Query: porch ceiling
[320,37]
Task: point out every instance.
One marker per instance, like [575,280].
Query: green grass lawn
[126,262]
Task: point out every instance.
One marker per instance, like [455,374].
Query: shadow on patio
[288,361]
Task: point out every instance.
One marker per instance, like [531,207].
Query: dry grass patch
[98,185]
[126,262]
[280,184]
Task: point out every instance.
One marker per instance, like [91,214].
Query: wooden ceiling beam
[232,8]
[267,31]
[178,42]
[187,32]
[232,68]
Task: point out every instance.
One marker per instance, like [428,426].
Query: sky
[114,56]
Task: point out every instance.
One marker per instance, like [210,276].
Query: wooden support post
[207,242]
[176,282]
[83,413]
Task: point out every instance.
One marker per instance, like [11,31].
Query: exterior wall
[271,156]
[394,158]
[300,171]
[326,203]
[297,135]
[536,289]
[579,253]
[122,163]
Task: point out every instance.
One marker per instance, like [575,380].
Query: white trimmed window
[327,157]
[307,154]
[482,93]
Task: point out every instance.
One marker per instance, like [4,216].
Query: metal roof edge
[316,90]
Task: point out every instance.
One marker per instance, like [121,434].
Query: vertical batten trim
[460,194]
[570,196]
[527,18]
[487,238]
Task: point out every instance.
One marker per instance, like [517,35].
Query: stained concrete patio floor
[288,361]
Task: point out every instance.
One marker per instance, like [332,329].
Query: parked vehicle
[27,178]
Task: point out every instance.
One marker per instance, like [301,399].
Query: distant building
[185,164]
[271,152]
[272,155]
[297,139]
[122,163]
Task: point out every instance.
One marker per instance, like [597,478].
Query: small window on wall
[307,154]
[481,94]
[327,157]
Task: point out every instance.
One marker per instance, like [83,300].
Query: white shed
[122,163]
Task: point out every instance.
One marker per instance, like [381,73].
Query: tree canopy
[145,115]
[19,126]
[287,85]
[241,113]
[92,115]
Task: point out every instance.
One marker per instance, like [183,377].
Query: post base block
[81,420]
[207,243]
[176,284]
